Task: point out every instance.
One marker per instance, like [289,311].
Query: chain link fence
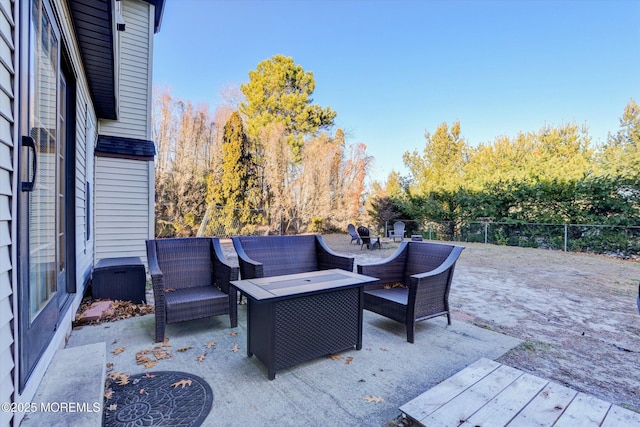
[619,241]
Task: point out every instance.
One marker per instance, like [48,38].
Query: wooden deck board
[490,394]
[546,407]
[583,411]
[458,410]
[620,417]
[432,399]
[506,405]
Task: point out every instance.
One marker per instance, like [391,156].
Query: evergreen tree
[279,91]
[440,167]
[621,155]
[236,190]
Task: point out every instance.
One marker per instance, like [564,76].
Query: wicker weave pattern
[190,280]
[311,327]
[266,256]
[426,269]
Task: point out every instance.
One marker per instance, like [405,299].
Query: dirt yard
[576,313]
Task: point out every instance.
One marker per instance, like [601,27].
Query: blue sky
[395,69]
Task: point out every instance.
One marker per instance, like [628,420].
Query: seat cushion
[195,303]
[391,303]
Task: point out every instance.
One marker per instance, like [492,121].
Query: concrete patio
[569,318]
[326,391]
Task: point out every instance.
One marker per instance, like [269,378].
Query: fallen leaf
[162,354]
[233,334]
[383,349]
[148,375]
[112,407]
[235,348]
[211,344]
[165,343]
[109,366]
[185,348]
[349,360]
[119,377]
[118,350]
[201,358]
[334,356]
[169,289]
[142,391]
[373,399]
[142,360]
[150,364]
[182,383]
[108,393]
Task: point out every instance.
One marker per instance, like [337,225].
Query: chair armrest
[328,259]
[224,272]
[157,278]
[389,270]
[249,268]
[445,266]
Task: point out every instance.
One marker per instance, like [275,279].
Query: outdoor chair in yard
[367,239]
[190,281]
[266,256]
[398,231]
[354,234]
[414,283]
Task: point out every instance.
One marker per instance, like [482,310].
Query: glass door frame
[39,316]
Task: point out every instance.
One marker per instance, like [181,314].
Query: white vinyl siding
[121,207]
[134,74]
[85,137]
[7,143]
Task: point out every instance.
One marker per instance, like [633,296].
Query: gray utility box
[119,279]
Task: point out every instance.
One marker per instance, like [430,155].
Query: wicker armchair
[265,256]
[190,281]
[414,283]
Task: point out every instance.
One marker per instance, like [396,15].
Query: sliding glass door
[43,211]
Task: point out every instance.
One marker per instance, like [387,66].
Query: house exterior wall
[124,211]
[134,112]
[94,200]
[7,186]
[85,183]
[121,207]
[9,110]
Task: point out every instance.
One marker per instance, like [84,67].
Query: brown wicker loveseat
[190,281]
[414,283]
[266,256]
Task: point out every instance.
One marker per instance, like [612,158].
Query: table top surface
[119,262]
[277,287]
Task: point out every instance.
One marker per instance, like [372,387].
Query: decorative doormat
[157,399]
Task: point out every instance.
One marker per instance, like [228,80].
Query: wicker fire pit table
[296,318]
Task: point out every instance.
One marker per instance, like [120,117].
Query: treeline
[555,175]
[267,151]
